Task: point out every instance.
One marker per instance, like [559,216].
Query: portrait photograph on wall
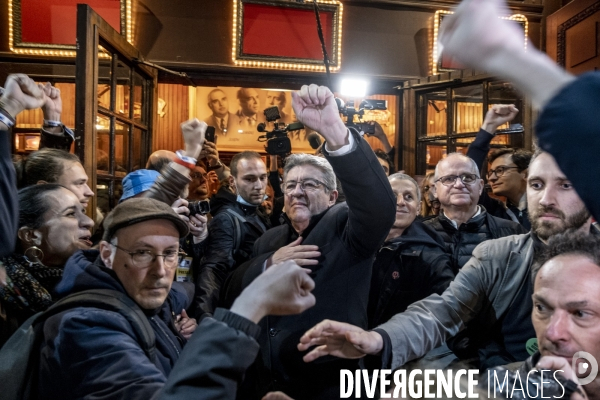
[236,113]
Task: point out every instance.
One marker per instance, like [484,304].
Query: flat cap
[136,210]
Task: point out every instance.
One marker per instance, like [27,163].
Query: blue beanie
[137,182]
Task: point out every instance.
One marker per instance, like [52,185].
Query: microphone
[314,139]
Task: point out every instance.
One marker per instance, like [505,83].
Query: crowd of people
[338,262]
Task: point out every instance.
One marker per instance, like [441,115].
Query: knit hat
[137,182]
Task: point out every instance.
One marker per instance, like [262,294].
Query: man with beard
[493,290]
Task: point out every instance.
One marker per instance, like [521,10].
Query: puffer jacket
[88,352]
[407,269]
[461,242]
[220,256]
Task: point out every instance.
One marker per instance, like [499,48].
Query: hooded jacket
[407,269]
[221,256]
[93,352]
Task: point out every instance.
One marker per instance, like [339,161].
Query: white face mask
[241,200]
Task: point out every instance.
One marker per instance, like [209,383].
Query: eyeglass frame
[180,254]
[461,176]
[301,187]
[494,171]
[195,175]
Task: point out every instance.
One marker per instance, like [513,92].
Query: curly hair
[568,242]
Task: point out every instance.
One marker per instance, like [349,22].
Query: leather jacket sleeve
[215,359]
[9,206]
[48,140]
[216,265]
[168,186]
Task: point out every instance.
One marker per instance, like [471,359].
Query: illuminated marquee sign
[48,27]
[283,34]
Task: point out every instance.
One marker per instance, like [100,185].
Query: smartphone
[210,134]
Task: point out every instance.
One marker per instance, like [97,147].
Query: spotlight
[354,88]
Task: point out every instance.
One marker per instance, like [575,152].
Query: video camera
[349,112]
[278,142]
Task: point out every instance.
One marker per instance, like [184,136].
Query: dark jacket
[478,151]
[9,204]
[87,352]
[48,140]
[407,269]
[483,290]
[348,235]
[568,130]
[461,242]
[220,256]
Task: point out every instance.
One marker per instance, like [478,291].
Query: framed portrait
[283,34]
[48,27]
[237,112]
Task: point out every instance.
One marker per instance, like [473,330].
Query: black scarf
[29,285]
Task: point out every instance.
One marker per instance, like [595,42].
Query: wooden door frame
[90,28]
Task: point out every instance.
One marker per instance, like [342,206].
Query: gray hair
[403,177]
[296,160]
[474,166]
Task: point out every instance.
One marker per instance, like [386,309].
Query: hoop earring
[38,254]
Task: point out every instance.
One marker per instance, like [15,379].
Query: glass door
[114,107]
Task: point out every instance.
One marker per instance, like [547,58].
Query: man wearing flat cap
[92,352]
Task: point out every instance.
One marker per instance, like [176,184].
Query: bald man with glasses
[462,222]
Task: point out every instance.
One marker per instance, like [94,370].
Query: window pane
[460,149]
[104,67]
[500,92]
[138,98]
[103,187]
[468,108]
[434,155]
[103,143]
[136,162]
[108,193]
[67,95]
[123,75]
[436,122]
[121,148]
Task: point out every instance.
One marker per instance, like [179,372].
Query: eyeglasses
[144,258]
[450,180]
[499,171]
[307,185]
[198,175]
